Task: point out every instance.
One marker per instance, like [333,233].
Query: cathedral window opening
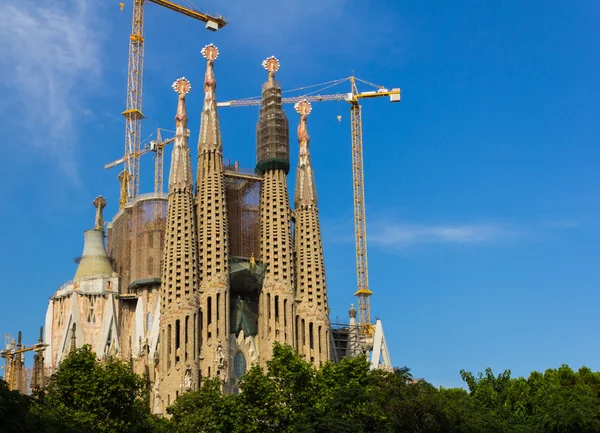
[218,307]
[303,333]
[177,340]
[276,308]
[285,313]
[269,305]
[311,335]
[239,365]
[91,317]
[319,337]
[187,324]
[194,338]
[208,317]
[169,351]
[297,327]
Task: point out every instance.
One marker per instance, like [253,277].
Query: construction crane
[157,146]
[13,354]
[363,293]
[130,177]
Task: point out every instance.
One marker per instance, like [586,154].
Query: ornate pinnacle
[182,87]
[99,203]
[210,52]
[271,64]
[181,171]
[303,108]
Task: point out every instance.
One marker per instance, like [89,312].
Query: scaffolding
[135,239]
[243,197]
[272,132]
[118,243]
[148,220]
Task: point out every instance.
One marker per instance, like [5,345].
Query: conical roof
[94,261]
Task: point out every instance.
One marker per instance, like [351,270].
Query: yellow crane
[130,177]
[157,146]
[13,354]
[363,293]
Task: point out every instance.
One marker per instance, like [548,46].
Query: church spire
[213,235]
[311,292]
[210,133]
[178,361]
[180,175]
[273,162]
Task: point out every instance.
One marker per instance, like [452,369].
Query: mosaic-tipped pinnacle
[182,86]
[271,64]
[303,107]
[210,52]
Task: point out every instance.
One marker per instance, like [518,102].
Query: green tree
[91,396]
[205,410]
[14,411]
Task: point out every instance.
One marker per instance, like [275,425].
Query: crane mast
[133,111]
[130,177]
[363,293]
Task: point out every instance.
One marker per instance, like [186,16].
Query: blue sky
[482,185]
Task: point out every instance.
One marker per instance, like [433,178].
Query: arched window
[239,365]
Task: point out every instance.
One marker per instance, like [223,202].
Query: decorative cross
[99,204]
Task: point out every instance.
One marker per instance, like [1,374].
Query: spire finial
[182,87]
[180,174]
[210,52]
[271,64]
[210,134]
[352,312]
[99,203]
[303,108]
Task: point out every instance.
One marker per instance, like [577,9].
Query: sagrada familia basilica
[202,281]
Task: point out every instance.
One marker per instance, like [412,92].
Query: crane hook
[121,6]
[339,119]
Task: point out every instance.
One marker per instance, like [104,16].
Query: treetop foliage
[290,395]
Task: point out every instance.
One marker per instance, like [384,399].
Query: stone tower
[312,320]
[178,360]
[213,252]
[276,304]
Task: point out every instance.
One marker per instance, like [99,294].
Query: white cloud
[401,235]
[50,53]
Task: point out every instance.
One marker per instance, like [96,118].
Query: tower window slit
[187,324]
[177,340]
[311,336]
[218,308]
[277,308]
[303,333]
[169,348]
